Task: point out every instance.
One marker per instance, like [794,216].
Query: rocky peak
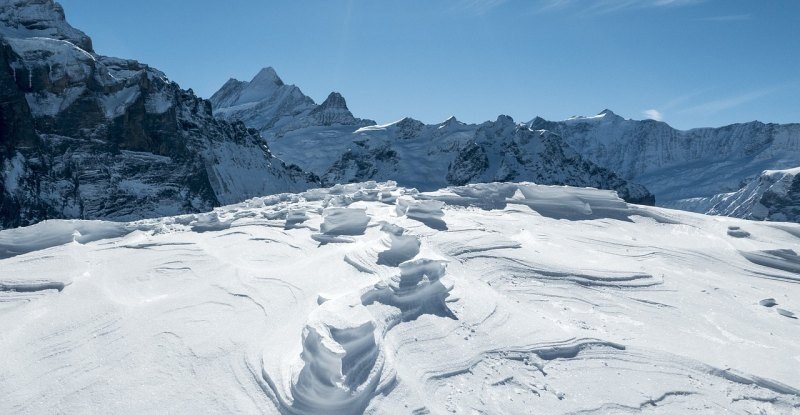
[267,76]
[39,18]
[333,111]
[335,100]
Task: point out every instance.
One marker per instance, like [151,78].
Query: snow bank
[52,233]
[344,221]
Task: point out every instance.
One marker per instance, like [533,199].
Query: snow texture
[529,299]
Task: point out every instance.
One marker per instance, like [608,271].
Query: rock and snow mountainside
[328,141]
[88,136]
[774,195]
[371,298]
[684,169]
[272,107]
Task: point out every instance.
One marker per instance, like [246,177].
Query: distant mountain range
[703,170]
[89,136]
[328,141]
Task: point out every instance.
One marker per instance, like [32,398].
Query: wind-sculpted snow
[488,298]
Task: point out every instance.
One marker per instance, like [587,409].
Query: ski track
[370,298]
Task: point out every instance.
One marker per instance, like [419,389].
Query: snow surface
[491,298]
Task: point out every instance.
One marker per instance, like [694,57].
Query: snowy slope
[89,136]
[491,298]
[684,169]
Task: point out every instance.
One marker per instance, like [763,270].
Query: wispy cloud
[609,6]
[478,7]
[727,18]
[653,114]
[723,104]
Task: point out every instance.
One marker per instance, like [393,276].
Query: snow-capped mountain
[272,107]
[374,299]
[684,169]
[89,136]
[328,141]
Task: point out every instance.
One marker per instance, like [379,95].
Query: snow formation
[487,298]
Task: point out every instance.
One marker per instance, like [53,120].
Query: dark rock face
[16,122]
[88,136]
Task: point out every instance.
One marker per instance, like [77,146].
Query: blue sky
[692,63]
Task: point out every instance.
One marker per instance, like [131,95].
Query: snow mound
[401,247]
[49,234]
[428,212]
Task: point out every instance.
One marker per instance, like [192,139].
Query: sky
[690,63]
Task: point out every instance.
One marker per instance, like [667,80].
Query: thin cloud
[720,105]
[609,6]
[727,18]
[653,114]
[478,7]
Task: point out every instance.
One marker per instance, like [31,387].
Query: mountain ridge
[340,148]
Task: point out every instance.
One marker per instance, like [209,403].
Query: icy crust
[494,298]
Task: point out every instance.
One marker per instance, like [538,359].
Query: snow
[115,104]
[13,170]
[158,102]
[530,299]
[72,59]
[39,18]
[48,104]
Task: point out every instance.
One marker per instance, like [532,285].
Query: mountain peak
[267,76]
[335,100]
[607,112]
[39,18]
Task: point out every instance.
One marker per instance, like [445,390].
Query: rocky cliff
[89,136]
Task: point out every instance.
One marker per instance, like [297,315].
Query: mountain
[684,169]
[89,136]
[328,141]
[374,299]
[272,107]
[774,195]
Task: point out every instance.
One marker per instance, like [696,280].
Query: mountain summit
[272,107]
